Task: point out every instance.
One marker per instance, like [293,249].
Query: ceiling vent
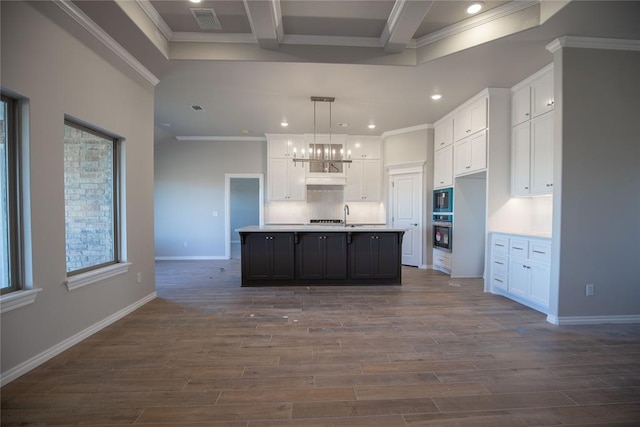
[206,18]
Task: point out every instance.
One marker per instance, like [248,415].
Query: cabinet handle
[498,280]
[526,188]
[499,263]
[539,252]
[549,185]
[415,224]
[517,249]
[498,244]
[526,114]
[550,103]
[441,182]
[467,167]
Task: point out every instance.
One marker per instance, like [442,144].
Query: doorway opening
[244,206]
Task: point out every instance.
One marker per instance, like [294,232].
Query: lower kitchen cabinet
[300,255]
[375,255]
[267,256]
[321,256]
[521,270]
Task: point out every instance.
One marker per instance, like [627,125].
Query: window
[91,198]
[9,177]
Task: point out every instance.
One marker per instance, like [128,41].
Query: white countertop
[318,228]
[525,234]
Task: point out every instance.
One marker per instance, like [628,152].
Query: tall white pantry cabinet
[471,145]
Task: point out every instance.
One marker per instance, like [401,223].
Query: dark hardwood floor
[433,352]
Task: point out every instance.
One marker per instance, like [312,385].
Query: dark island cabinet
[375,255]
[267,257]
[321,256]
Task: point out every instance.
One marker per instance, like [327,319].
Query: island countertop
[310,228]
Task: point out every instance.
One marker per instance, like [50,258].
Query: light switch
[214,213]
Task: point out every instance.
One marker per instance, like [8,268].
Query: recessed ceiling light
[284,124]
[195,1]
[475,8]
[372,126]
[436,96]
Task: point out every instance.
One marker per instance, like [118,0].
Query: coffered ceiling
[251,64]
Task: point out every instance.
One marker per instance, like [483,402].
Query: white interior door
[407,213]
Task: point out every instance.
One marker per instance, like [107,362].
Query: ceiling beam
[265,18]
[404,20]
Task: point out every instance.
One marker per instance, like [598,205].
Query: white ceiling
[380,59]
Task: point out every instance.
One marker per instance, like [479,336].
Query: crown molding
[155,17]
[593,43]
[301,39]
[406,130]
[88,24]
[221,138]
[484,18]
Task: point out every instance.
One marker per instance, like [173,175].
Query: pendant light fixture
[325,154]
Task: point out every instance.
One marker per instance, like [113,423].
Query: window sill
[84,279]
[17,299]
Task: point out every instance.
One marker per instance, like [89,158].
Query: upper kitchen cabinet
[532,135]
[364,147]
[443,167]
[283,146]
[542,93]
[443,133]
[470,119]
[286,180]
[364,181]
[470,154]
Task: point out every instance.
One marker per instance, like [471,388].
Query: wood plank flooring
[433,352]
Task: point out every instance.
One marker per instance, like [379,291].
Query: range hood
[326,180]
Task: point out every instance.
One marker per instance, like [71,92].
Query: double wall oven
[443,219]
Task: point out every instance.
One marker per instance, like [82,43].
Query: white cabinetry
[470,119]
[284,146]
[442,261]
[542,93]
[364,181]
[443,167]
[364,147]
[443,133]
[286,180]
[542,154]
[527,279]
[532,135]
[470,154]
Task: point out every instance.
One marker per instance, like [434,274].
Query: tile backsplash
[324,203]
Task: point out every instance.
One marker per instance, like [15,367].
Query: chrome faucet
[346,212]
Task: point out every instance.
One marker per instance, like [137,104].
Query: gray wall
[244,206]
[596,219]
[189,187]
[62,76]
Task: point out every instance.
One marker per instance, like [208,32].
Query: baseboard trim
[190,258]
[592,320]
[34,362]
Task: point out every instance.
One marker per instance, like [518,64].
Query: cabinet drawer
[500,245]
[540,251]
[442,259]
[499,280]
[500,264]
[519,247]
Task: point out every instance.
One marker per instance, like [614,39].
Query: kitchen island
[321,255]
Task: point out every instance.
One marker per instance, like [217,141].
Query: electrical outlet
[214,213]
[139,277]
[589,290]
